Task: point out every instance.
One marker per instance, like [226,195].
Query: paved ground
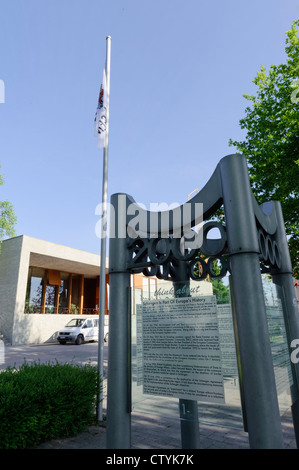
[148,431]
[151,432]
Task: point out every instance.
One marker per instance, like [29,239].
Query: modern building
[43,283]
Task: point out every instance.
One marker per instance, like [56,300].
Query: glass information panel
[184,348]
[279,344]
[180,349]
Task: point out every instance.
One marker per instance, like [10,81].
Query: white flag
[100,120]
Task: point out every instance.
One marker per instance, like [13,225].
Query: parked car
[78,330]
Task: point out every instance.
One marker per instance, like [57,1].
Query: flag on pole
[100,120]
[101,132]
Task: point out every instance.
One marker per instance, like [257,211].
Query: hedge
[39,402]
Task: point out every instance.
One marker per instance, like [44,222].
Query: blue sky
[178,73]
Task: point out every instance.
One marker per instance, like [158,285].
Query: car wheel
[106,337]
[79,339]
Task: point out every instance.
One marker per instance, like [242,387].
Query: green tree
[7,218]
[221,291]
[271,144]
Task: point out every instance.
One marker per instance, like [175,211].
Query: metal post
[237,345]
[263,419]
[118,399]
[190,436]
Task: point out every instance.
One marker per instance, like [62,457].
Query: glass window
[63,292]
[75,294]
[50,299]
[34,293]
[52,296]
[52,291]
[75,322]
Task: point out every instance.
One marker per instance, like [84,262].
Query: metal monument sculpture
[252,241]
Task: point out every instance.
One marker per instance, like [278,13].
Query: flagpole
[104,236]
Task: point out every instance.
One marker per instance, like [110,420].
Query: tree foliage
[221,291]
[271,144]
[7,218]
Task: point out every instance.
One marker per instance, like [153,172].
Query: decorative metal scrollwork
[155,245]
[269,251]
[160,256]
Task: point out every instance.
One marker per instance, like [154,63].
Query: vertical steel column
[118,410]
[286,291]
[190,436]
[260,395]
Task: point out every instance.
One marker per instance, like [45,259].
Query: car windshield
[75,322]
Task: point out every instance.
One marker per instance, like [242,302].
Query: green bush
[39,402]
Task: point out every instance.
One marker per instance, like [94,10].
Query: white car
[78,330]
